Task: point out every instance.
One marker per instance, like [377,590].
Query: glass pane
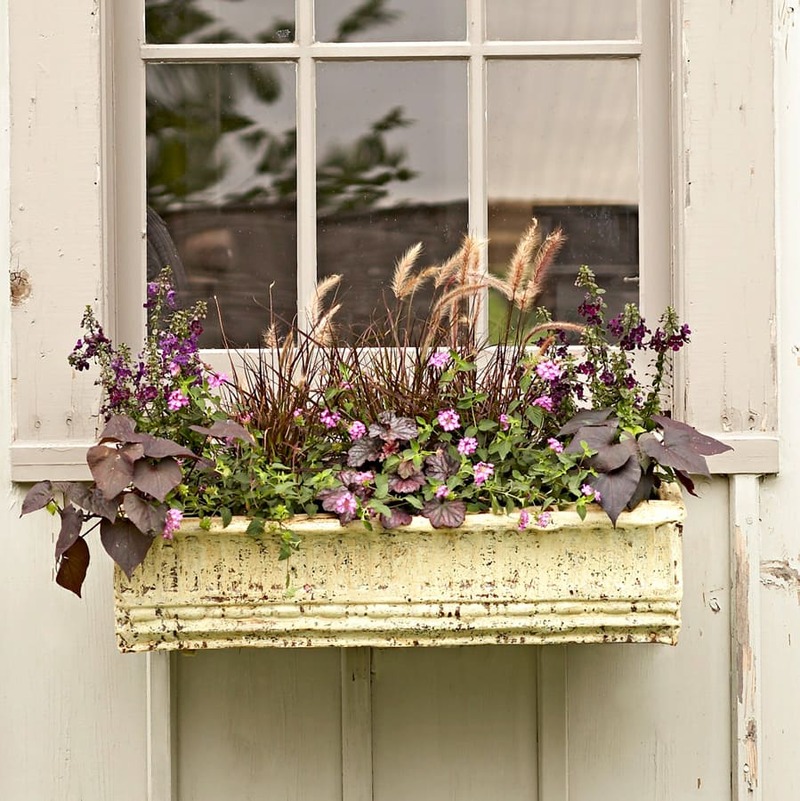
[563,148]
[216,21]
[392,171]
[221,173]
[561,19]
[390,20]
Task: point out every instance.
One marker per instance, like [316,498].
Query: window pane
[392,171]
[561,19]
[390,20]
[221,172]
[216,21]
[563,148]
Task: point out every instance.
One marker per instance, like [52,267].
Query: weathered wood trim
[161,743]
[752,454]
[356,676]
[746,717]
[552,724]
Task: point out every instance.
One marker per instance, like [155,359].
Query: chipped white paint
[484,583]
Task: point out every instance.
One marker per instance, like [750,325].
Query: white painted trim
[552,724]
[161,743]
[746,717]
[356,678]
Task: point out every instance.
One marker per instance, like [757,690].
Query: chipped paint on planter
[485,583]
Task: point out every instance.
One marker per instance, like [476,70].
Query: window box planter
[485,583]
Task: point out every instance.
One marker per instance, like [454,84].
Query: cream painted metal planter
[484,583]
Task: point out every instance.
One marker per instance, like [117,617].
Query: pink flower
[176,400]
[442,492]
[549,371]
[543,520]
[505,422]
[482,471]
[586,489]
[545,401]
[439,359]
[174,369]
[357,430]
[555,445]
[467,446]
[217,380]
[330,419]
[346,505]
[172,523]
[364,478]
[524,520]
[297,413]
[449,419]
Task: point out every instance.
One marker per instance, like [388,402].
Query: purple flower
[357,430]
[330,419]
[505,422]
[172,523]
[482,471]
[297,413]
[588,489]
[439,359]
[364,478]
[545,401]
[449,419]
[442,492]
[170,299]
[467,446]
[524,520]
[346,504]
[549,370]
[176,400]
[555,445]
[544,519]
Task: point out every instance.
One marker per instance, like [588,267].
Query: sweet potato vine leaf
[71,525]
[677,455]
[677,434]
[588,417]
[37,497]
[125,544]
[148,517]
[92,500]
[225,429]
[157,478]
[112,468]
[617,487]
[73,566]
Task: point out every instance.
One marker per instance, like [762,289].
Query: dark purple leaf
[119,428]
[410,484]
[92,500]
[112,468]
[644,490]
[679,455]
[588,417]
[390,427]
[125,544]
[440,466]
[37,497]
[71,525]
[225,429]
[445,514]
[596,437]
[362,450]
[157,478]
[618,487]
[611,457]
[160,447]
[73,566]
[685,436]
[397,518]
[149,517]
[686,482]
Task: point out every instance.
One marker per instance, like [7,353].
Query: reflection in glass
[221,172]
[218,21]
[392,171]
[562,147]
[390,20]
[553,20]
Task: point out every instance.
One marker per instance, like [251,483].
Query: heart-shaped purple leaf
[617,487]
[161,447]
[92,500]
[112,468]
[71,525]
[588,417]
[157,478]
[37,497]
[611,457]
[148,517]
[681,435]
[125,544]
[445,514]
[225,429]
[678,455]
[595,437]
[119,428]
[73,566]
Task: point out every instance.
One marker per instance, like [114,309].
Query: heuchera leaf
[595,437]
[92,500]
[396,518]
[440,466]
[445,514]
[677,434]
[225,429]
[677,455]
[37,497]
[617,487]
[112,468]
[125,544]
[147,516]
[390,427]
[73,566]
[71,525]
[588,417]
[157,478]
[362,450]
[410,484]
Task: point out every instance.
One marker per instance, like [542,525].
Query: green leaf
[256,527]
[226,515]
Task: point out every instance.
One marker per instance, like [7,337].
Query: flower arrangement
[416,415]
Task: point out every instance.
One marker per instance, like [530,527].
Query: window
[281,142]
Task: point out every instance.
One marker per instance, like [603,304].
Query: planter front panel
[484,583]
